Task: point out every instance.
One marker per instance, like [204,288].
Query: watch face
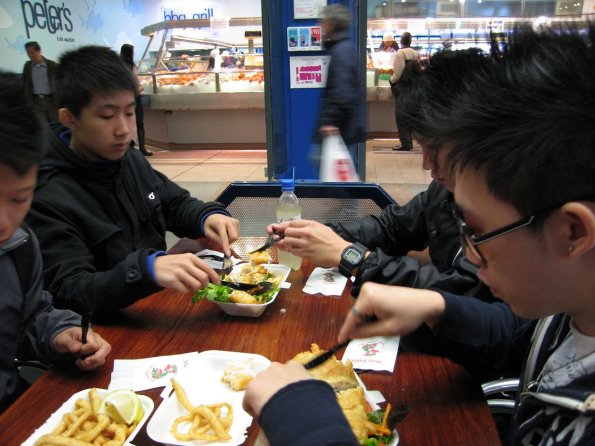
[352,255]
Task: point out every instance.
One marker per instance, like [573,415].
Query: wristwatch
[351,257]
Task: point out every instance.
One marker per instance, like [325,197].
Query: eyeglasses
[471,241]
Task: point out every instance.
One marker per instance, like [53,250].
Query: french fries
[85,426]
[209,422]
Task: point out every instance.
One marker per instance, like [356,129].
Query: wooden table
[447,403]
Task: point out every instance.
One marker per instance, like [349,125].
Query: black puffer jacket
[426,221]
[98,221]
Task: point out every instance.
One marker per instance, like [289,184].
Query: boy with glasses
[523,158]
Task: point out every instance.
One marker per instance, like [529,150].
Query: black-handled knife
[322,358]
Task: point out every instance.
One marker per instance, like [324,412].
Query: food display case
[192,77]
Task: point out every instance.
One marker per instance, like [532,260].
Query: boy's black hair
[528,125]
[89,71]
[22,136]
[127,54]
[437,86]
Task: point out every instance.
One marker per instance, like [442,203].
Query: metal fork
[227,264]
[270,241]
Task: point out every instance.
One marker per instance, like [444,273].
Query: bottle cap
[287,184]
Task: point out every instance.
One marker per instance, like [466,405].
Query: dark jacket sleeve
[43,321]
[425,221]
[306,413]
[486,338]
[71,271]
[183,213]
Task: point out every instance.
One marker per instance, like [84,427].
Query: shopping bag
[336,163]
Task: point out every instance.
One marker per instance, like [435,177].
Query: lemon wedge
[122,406]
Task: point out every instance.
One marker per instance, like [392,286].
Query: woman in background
[127,54]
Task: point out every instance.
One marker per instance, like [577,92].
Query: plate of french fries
[79,422]
[205,403]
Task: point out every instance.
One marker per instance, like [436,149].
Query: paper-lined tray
[69,406]
[203,385]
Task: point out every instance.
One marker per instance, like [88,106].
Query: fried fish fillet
[340,376]
[353,404]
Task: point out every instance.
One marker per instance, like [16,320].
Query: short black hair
[127,54]
[33,45]
[527,124]
[406,38]
[437,87]
[83,73]
[22,136]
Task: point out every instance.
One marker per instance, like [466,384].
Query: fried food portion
[209,422]
[241,297]
[237,376]
[354,406]
[86,426]
[340,376]
[260,257]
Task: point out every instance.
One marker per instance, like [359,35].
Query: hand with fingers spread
[385,310]
[183,272]
[311,240]
[91,354]
[222,229]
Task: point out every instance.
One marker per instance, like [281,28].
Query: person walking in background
[404,60]
[37,79]
[343,106]
[127,54]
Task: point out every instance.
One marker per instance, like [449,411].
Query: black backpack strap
[23,258]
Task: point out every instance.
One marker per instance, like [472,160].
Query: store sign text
[42,15]
[175,15]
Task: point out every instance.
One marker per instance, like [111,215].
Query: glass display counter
[198,88]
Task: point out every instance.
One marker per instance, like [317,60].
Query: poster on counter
[304,38]
[292,39]
[308,9]
[315,38]
[308,71]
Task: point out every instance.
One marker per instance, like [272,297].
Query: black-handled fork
[85,323]
[273,238]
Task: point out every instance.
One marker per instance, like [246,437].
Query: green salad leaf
[220,293]
[213,292]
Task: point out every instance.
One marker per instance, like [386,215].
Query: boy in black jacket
[30,328]
[100,210]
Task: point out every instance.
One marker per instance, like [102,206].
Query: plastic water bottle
[288,208]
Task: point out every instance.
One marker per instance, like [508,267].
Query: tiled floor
[206,172]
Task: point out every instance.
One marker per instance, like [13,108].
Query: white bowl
[255,310]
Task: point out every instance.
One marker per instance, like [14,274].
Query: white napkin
[376,353]
[148,373]
[326,281]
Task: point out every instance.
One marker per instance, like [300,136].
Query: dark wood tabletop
[447,405]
